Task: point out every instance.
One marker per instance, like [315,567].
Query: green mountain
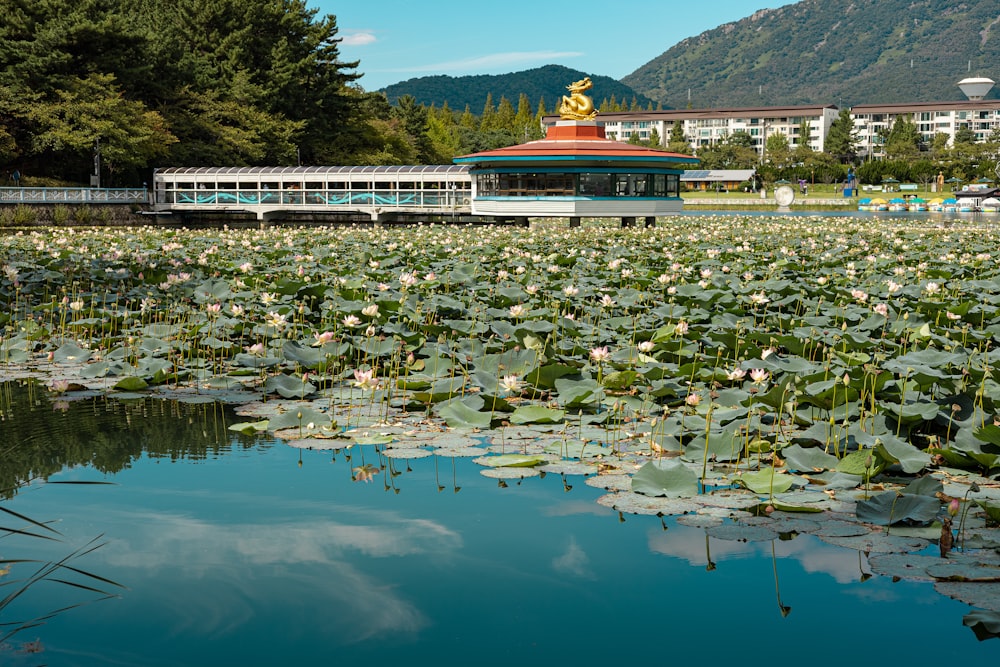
[841,52]
[548,83]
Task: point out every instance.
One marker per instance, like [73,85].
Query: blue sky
[397,40]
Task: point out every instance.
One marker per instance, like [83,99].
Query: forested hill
[546,83]
[830,51]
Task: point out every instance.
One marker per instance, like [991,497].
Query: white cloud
[574,562]
[358,39]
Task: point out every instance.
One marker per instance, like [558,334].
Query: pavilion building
[576,172]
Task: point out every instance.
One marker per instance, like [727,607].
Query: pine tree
[506,118]
[487,120]
[467,120]
[842,139]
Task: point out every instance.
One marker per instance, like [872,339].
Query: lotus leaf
[578,393]
[806,459]
[288,386]
[910,459]
[992,509]
[131,383]
[249,428]
[71,353]
[665,478]
[536,414]
[465,413]
[863,462]
[511,461]
[891,508]
[985,624]
[767,481]
[300,417]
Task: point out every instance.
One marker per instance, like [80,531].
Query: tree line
[156,83]
[127,85]
[906,156]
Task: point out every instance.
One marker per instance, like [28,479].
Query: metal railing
[316,199]
[74,196]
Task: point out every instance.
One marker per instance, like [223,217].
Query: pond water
[236,550]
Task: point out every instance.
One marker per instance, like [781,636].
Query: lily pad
[637,503]
[738,532]
[767,481]
[890,508]
[665,478]
[511,461]
[984,596]
[536,414]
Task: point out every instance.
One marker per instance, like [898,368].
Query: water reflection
[234,554]
[43,434]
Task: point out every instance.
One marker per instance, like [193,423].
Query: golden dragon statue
[577,106]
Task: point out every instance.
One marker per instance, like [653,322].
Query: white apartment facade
[872,122]
[706,127]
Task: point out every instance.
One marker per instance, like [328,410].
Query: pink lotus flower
[323,338]
[600,354]
[736,374]
[365,379]
[759,376]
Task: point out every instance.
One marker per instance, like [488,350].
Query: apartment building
[705,127]
[873,121]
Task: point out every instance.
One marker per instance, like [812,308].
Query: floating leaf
[536,414]
[808,458]
[891,508]
[985,624]
[71,353]
[767,481]
[249,428]
[458,414]
[665,478]
[288,386]
[910,459]
[511,461]
[131,383]
[300,417]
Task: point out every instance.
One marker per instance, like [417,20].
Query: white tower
[976,88]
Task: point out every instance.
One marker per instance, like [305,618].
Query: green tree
[654,139]
[678,143]
[734,152]
[92,113]
[842,138]
[414,118]
[777,152]
[903,140]
[965,135]
[468,120]
[488,119]
[506,118]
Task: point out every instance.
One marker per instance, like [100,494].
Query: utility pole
[95,178]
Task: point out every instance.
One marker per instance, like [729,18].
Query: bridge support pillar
[574,222]
[522,221]
[650,221]
[628,221]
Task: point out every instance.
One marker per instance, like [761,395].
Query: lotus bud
[953,507]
